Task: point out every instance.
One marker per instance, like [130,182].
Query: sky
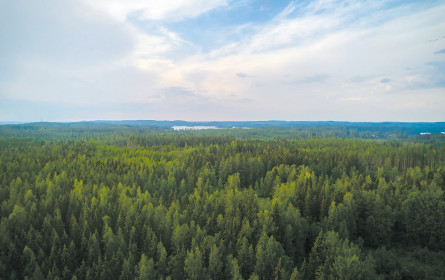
[203,60]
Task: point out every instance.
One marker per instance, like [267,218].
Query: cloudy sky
[352,60]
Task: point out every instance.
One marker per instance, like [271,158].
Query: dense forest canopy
[119,201]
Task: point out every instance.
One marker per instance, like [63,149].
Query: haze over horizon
[222,60]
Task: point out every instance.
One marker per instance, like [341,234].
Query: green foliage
[145,268]
[173,206]
[423,216]
[332,257]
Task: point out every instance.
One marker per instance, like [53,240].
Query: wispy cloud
[308,60]
[170,10]
[243,75]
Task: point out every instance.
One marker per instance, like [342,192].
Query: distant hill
[410,128]
[257,129]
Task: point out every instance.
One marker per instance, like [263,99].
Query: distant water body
[193,127]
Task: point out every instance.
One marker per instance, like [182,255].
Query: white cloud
[374,50]
[323,61]
[170,10]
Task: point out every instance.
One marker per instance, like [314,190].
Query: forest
[122,202]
